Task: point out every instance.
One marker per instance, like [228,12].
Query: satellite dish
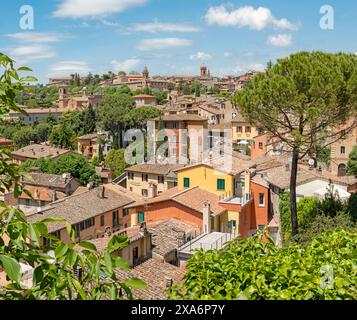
[311,162]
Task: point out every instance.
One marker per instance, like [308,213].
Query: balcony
[242,201]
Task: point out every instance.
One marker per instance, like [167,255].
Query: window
[161,179]
[343,134]
[232,224]
[221,184]
[136,253]
[174,125]
[141,217]
[261,200]
[144,177]
[27,201]
[115,218]
[247,129]
[186,182]
[57,234]
[144,192]
[239,129]
[260,145]
[125,212]
[102,221]
[343,150]
[131,175]
[261,226]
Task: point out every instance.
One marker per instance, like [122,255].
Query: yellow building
[243,130]
[141,176]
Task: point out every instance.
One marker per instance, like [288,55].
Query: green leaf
[34,233]
[108,261]
[121,263]
[61,250]
[79,288]
[24,69]
[11,267]
[135,283]
[88,245]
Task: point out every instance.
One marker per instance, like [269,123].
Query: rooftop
[80,207]
[193,198]
[181,117]
[46,180]
[36,151]
[155,168]
[41,193]
[88,137]
[154,273]
[168,235]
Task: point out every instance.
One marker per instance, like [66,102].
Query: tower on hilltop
[203,70]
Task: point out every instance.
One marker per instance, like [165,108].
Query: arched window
[342,170]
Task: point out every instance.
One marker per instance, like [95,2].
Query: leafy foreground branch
[72,271]
[254,269]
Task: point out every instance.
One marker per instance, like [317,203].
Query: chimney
[152,190]
[206,217]
[102,192]
[169,282]
[54,196]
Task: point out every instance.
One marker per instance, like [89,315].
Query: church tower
[63,96]
[203,70]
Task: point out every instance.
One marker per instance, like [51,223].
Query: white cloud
[256,19]
[227,54]
[163,43]
[280,40]
[126,65]
[68,67]
[163,27]
[93,8]
[36,37]
[201,56]
[26,54]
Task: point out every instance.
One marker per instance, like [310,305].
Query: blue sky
[170,37]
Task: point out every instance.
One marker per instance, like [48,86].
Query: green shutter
[186,182]
[221,184]
[141,217]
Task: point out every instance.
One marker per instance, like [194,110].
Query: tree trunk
[293,207]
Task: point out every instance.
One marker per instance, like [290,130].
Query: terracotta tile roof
[46,180]
[159,169]
[36,151]
[196,197]
[238,164]
[168,235]
[193,198]
[212,110]
[154,273]
[182,117]
[144,96]
[90,136]
[41,193]
[80,207]
[133,234]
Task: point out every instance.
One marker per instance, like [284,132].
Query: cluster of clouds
[33,46]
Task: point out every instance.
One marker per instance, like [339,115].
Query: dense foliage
[115,161]
[317,216]
[254,269]
[77,166]
[352,162]
[54,264]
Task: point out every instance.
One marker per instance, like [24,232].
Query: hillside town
[167,209]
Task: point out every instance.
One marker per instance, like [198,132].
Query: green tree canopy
[112,114]
[298,100]
[63,136]
[115,160]
[352,162]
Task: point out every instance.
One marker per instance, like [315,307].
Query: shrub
[254,269]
